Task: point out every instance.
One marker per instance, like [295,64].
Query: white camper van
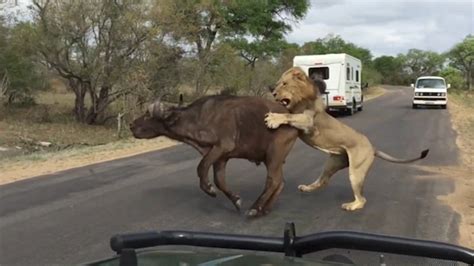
[342,74]
[430,90]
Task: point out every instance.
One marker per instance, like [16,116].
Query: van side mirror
[412,85]
[449,85]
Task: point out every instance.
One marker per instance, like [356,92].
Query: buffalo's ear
[181,101]
[299,74]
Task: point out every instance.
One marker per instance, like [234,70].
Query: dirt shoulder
[36,164]
[461,108]
[373,92]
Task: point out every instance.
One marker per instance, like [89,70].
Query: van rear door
[330,73]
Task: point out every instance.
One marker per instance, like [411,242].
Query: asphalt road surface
[69,217]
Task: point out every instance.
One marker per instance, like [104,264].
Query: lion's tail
[392,159]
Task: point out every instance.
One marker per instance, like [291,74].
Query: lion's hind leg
[359,165]
[335,163]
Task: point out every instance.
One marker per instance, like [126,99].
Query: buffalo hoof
[238,204]
[251,213]
[209,190]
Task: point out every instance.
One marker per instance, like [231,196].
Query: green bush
[454,77]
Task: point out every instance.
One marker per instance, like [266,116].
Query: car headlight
[416,94]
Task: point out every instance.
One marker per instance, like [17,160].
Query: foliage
[461,57]
[391,69]
[95,46]
[421,63]
[454,77]
[20,77]
[255,28]
[335,44]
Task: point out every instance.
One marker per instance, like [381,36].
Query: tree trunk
[79,89]
[96,114]
[469,79]
[202,70]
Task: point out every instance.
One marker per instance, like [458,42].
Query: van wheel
[352,110]
[415,106]
[361,103]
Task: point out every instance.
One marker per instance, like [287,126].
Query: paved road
[68,217]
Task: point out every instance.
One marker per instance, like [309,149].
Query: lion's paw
[304,188]
[273,120]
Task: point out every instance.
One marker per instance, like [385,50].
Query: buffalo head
[152,123]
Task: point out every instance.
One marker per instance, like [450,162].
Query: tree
[20,77]
[419,63]
[335,44]
[257,28]
[462,58]
[285,58]
[92,44]
[254,27]
[454,77]
[390,69]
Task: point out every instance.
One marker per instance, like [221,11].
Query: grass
[51,120]
[462,111]
[461,108]
[373,92]
[72,144]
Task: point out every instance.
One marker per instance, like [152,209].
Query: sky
[388,27]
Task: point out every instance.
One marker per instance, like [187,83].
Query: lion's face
[293,88]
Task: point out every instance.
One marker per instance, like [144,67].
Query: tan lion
[345,146]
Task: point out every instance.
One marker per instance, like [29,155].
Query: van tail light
[338,98]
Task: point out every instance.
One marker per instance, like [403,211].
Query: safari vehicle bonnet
[292,246]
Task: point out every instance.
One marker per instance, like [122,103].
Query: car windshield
[430,83]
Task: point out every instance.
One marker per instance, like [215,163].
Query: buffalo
[222,127]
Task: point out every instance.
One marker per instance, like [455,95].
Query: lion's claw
[271,120]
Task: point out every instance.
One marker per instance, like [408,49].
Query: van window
[348,73]
[357,75]
[431,83]
[319,72]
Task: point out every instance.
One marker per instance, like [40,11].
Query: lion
[346,147]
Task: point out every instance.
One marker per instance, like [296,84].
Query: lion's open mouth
[285,102]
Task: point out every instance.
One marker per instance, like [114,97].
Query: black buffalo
[223,127]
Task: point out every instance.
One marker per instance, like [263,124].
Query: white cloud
[389,27]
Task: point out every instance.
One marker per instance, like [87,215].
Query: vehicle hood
[182,257]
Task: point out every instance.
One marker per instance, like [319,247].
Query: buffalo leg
[219,180]
[276,155]
[268,206]
[203,170]
[272,185]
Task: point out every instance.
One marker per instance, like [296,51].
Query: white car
[430,91]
